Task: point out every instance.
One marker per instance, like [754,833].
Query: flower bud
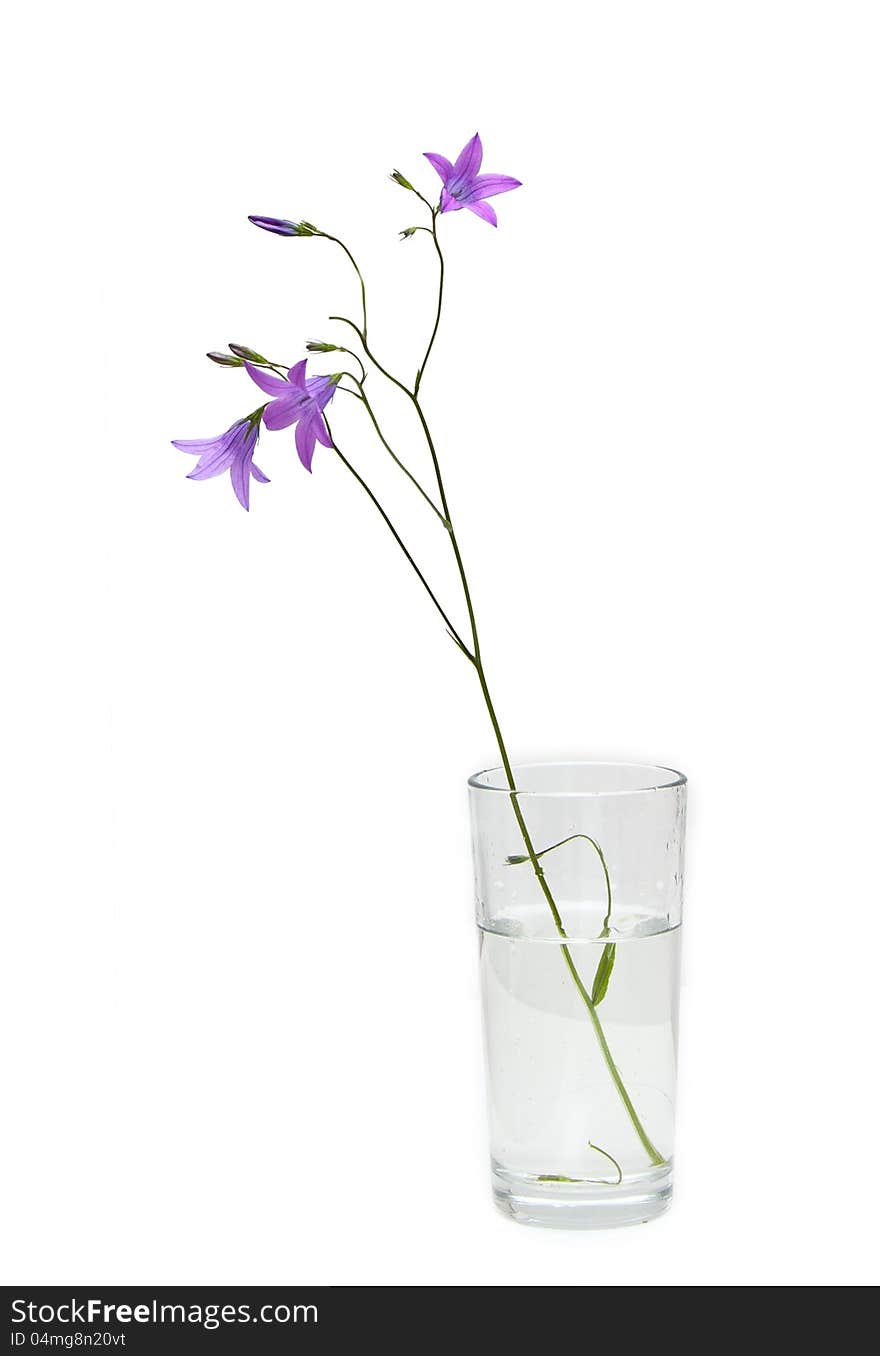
[225,360]
[249,355]
[280,226]
[410,230]
[398,178]
[317,346]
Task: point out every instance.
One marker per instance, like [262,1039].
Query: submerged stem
[606,960]
[611,1159]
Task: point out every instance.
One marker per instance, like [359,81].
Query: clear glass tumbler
[578,895]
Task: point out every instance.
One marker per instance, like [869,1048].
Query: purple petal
[213,464]
[305,442]
[441,165]
[488,185]
[266,382]
[468,163]
[484,210]
[284,411]
[258,474]
[321,432]
[322,390]
[215,454]
[448,203]
[297,374]
[240,475]
[197,447]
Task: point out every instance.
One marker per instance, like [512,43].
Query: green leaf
[603,973]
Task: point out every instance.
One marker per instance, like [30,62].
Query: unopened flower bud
[280,226]
[249,355]
[410,230]
[398,178]
[225,360]
[317,346]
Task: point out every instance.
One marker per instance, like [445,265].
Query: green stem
[400,542]
[393,455]
[611,1159]
[655,1156]
[354,355]
[475,656]
[346,250]
[361,334]
[421,371]
[516,861]
[648,1146]
[579,1181]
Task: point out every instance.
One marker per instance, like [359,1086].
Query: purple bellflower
[465,186]
[232,451]
[297,401]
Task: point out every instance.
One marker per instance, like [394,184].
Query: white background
[240,990]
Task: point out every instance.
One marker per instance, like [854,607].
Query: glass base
[582,1205]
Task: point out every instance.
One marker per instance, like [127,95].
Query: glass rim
[664,779]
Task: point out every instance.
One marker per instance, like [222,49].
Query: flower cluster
[299,401]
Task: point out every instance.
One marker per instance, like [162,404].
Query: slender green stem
[400,542]
[343,319]
[651,1151]
[475,656]
[516,861]
[606,960]
[655,1156]
[393,455]
[611,1159]
[352,354]
[280,369]
[579,1181]
[346,250]
[421,372]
